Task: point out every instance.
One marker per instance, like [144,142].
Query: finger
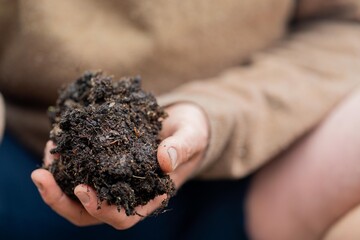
[169,126]
[58,201]
[179,115]
[48,157]
[110,214]
[183,172]
[180,147]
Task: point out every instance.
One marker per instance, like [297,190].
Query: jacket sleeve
[257,111]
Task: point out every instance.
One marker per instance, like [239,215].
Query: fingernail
[83,197]
[173,157]
[39,186]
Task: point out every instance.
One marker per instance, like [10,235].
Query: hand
[185,133]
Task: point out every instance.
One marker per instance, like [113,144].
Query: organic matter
[106,136]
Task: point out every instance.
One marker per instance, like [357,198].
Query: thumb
[179,148]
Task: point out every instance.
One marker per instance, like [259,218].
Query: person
[263,110]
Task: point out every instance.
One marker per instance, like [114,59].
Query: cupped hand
[185,133]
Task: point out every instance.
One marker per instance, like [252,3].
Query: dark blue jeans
[200,210]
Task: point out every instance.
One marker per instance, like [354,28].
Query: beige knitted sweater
[261,83]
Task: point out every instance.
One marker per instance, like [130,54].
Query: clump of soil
[106,133]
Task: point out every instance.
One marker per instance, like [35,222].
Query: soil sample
[106,135]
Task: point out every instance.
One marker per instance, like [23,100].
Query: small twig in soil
[134,176]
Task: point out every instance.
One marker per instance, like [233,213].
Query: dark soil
[106,133]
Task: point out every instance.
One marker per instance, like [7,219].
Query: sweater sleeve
[346,9]
[257,111]
[8,11]
[8,19]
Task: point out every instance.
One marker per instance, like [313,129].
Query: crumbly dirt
[106,134]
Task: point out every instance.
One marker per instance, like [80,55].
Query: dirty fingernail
[173,157]
[83,197]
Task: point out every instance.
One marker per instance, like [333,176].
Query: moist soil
[106,134]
